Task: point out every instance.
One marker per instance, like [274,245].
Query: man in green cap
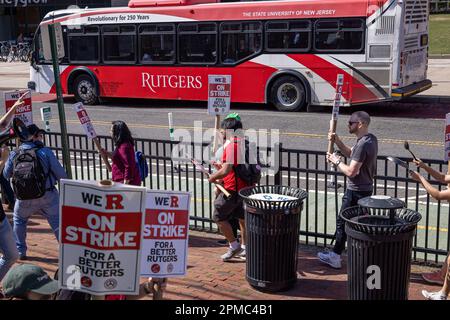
[233,115]
[29,282]
[227,208]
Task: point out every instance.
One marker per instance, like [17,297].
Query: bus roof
[252,10]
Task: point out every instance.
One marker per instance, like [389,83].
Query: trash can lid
[271,197]
[381,202]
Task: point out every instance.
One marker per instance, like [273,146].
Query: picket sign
[165,234]
[24,112]
[100,237]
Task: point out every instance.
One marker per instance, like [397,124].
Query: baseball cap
[27,277]
[34,129]
[233,115]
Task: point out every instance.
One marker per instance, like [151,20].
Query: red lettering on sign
[114,202]
[166,224]
[110,231]
[82,115]
[174,201]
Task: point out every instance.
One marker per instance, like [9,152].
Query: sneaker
[433,295]
[330,258]
[231,253]
[433,277]
[242,255]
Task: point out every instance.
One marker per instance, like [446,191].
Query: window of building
[157,44]
[119,44]
[197,43]
[339,35]
[239,41]
[83,44]
[288,36]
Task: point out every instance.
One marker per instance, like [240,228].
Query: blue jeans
[47,206]
[8,247]
[349,199]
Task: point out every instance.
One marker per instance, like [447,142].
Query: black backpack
[28,178]
[250,171]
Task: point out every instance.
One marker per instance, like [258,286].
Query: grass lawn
[439,34]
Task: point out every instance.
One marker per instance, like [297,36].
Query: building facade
[20,18]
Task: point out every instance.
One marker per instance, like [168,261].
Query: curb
[428,99]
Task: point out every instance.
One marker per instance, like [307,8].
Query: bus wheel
[84,90]
[288,94]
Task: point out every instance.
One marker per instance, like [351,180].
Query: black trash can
[272,216]
[380,236]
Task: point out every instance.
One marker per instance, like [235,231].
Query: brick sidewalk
[209,278]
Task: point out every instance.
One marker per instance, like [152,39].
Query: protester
[145,288]
[439,276]
[34,185]
[6,184]
[226,208]
[124,167]
[360,173]
[438,195]
[7,242]
[29,282]
[234,222]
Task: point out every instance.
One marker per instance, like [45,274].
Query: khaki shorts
[227,208]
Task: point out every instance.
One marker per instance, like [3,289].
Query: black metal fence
[298,168]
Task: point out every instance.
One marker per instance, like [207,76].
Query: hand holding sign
[18,105]
[20,101]
[90,131]
[335,114]
[201,168]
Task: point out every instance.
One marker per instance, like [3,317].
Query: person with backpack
[124,167]
[217,163]
[34,170]
[236,175]
[7,241]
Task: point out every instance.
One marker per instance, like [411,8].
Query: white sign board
[46,41]
[219,94]
[85,120]
[100,237]
[46,114]
[337,98]
[165,235]
[24,112]
[447,137]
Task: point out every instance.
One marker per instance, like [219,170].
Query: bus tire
[288,94]
[85,91]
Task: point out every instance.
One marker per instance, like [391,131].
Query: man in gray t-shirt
[360,172]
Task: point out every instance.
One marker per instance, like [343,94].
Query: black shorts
[227,208]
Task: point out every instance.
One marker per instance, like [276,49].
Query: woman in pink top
[124,167]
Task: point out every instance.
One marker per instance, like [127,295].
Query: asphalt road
[421,124]
[419,121]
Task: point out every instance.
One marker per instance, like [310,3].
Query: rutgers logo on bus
[155,81]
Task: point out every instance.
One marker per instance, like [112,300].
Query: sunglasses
[352,122]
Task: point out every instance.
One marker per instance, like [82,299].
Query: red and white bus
[288,53]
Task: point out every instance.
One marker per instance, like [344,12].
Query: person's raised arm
[435,193]
[7,117]
[435,174]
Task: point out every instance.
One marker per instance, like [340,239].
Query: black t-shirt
[364,151]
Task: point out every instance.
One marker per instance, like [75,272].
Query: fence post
[278,174]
